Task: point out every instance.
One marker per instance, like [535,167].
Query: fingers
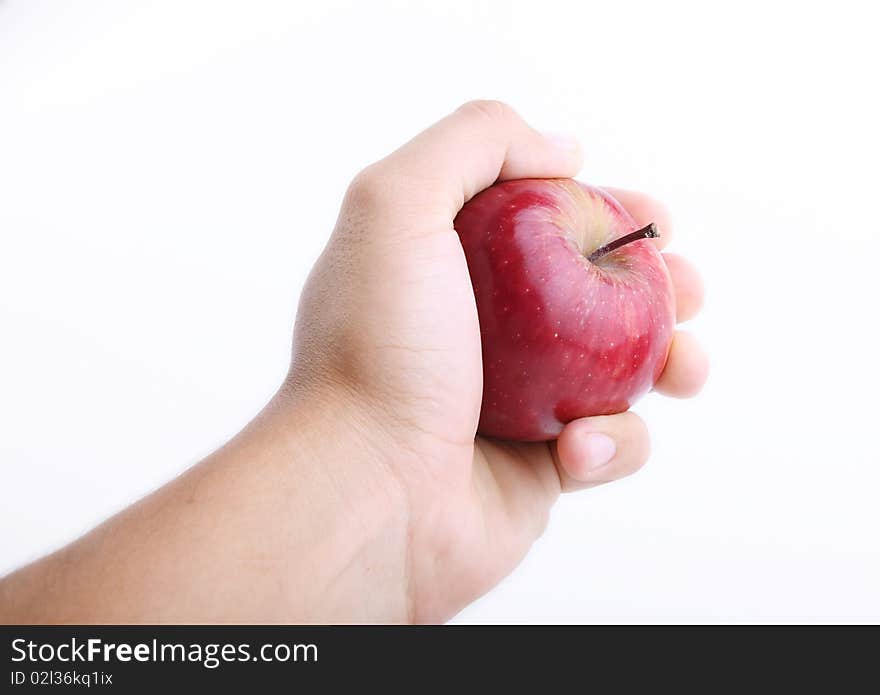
[446,165]
[644,210]
[687,284]
[596,450]
[687,368]
[685,278]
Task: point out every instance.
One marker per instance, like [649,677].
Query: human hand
[361,493]
[387,332]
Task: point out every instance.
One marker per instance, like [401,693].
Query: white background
[170,170]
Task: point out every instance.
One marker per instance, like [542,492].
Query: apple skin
[562,337]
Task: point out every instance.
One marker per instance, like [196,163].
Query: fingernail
[563,142]
[599,449]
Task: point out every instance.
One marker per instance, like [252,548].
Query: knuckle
[488,109]
[373,195]
[362,203]
[366,187]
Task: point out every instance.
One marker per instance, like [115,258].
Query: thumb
[596,450]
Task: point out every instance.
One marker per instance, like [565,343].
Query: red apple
[576,306]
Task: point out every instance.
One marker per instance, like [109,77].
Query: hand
[388,324]
[361,493]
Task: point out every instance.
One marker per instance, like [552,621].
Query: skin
[361,493]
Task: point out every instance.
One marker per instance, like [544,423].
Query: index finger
[482,142]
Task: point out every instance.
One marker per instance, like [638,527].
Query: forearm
[279,525]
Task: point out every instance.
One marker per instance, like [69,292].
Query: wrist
[345,499]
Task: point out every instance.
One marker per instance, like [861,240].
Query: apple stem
[646,232]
